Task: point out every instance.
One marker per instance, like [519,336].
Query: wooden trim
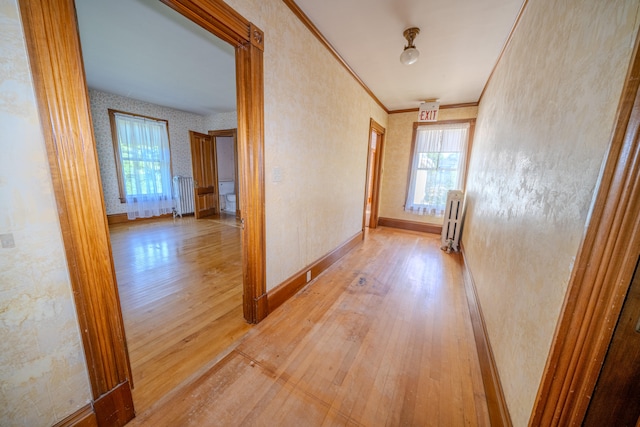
[121,218]
[314,30]
[224,132]
[116,156]
[63,100]
[249,69]
[442,107]
[444,122]
[217,17]
[376,175]
[472,133]
[221,20]
[602,273]
[115,408]
[405,110]
[404,224]
[83,417]
[496,403]
[63,103]
[460,105]
[504,48]
[373,125]
[281,293]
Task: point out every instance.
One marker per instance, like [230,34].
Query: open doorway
[374,174]
[226,146]
[55,57]
[180,281]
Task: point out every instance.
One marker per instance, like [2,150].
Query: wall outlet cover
[7,241]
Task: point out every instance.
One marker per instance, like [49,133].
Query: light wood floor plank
[383,337]
[180,284]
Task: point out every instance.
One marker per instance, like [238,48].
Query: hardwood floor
[383,337]
[180,284]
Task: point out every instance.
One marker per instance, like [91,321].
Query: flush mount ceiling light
[410,53]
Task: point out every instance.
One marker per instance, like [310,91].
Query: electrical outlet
[277,175]
[6,241]
[309,276]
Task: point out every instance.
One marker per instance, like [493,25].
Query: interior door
[615,400]
[203,160]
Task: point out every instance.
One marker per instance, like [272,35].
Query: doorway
[54,52]
[374,174]
[226,144]
[178,314]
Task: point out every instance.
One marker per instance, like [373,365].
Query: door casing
[55,57]
[615,398]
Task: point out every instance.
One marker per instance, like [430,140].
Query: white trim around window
[438,164]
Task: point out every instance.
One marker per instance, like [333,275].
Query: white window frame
[419,209]
[116,148]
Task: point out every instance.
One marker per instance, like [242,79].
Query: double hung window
[437,165]
[143,163]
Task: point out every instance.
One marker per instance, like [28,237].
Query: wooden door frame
[376,175]
[233,133]
[602,273]
[57,69]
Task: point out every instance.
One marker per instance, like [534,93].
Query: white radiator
[452,221]
[183,194]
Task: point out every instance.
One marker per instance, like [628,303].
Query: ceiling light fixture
[410,53]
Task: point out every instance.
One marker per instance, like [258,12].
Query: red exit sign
[428,112]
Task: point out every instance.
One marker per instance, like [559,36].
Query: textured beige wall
[317,126]
[220,121]
[397,152]
[43,375]
[543,126]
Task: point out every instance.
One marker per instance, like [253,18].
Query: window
[143,163]
[438,162]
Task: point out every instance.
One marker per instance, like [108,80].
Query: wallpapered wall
[397,153]
[317,131]
[43,375]
[221,121]
[538,150]
[180,123]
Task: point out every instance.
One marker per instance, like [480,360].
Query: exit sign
[428,112]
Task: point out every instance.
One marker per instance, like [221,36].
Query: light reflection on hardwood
[180,284]
[383,337]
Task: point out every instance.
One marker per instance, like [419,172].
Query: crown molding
[504,48]
[314,30]
[442,107]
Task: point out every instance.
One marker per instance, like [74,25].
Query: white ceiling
[144,50]
[459,43]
